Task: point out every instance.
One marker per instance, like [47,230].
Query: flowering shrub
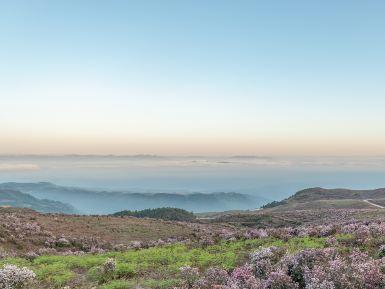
[30,255]
[356,271]
[213,277]
[135,245]
[306,259]
[206,242]
[255,233]
[189,274]
[331,241]
[109,266]
[3,254]
[272,253]
[242,277]
[63,242]
[279,280]
[13,277]
[263,260]
[307,269]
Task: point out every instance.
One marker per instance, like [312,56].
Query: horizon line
[183,155]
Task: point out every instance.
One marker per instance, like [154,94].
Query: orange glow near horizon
[188,145]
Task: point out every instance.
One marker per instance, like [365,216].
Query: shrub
[213,277]
[109,266]
[264,258]
[279,280]
[13,277]
[306,259]
[189,275]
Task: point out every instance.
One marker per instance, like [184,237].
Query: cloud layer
[4,167]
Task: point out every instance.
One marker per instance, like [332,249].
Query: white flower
[13,277]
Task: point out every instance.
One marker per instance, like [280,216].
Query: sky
[192,77]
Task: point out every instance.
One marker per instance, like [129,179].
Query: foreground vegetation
[298,257]
[157,267]
[317,249]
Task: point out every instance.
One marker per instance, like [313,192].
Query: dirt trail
[373,204]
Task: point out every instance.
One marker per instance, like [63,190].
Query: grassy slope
[313,194]
[112,229]
[310,206]
[109,229]
[380,202]
[152,268]
[279,218]
[320,198]
[319,204]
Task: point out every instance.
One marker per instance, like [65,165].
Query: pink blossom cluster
[18,228]
[274,268]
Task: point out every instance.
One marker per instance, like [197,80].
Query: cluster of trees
[169,214]
[273,204]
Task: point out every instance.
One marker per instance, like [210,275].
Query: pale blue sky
[192,77]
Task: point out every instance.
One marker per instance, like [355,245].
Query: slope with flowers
[270,249]
[344,255]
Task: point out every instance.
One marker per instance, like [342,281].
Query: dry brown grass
[23,230]
[112,229]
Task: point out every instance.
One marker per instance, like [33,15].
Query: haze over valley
[89,182]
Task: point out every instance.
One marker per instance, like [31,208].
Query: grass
[311,215]
[328,204]
[156,268]
[118,284]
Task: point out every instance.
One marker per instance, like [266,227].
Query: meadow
[157,267]
[349,254]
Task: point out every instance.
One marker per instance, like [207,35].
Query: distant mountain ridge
[105,202]
[14,198]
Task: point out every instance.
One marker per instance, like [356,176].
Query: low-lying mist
[194,183]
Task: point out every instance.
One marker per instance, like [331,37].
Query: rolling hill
[14,198]
[317,198]
[311,206]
